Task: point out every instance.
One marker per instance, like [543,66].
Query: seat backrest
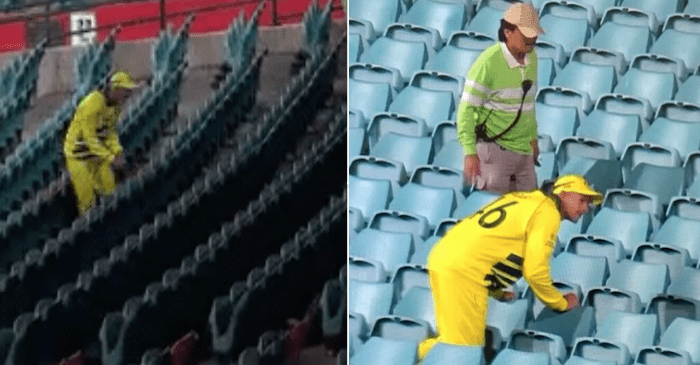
[369,299]
[369,167]
[585,271]
[379,350]
[369,97]
[417,303]
[368,195]
[407,57]
[394,221]
[682,334]
[380,14]
[433,203]
[392,249]
[647,280]
[674,258]
[618,129]
[674,232]
[431,105]
[384,123]
[446,18]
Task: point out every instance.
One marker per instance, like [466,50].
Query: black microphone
[527,84]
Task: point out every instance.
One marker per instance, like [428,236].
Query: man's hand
[471,169]
[508,296]
[571,301]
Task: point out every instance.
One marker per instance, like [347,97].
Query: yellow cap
[525,17]
[576,184]
[122,80]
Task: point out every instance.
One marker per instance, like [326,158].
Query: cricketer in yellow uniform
[488,251]
[91,143]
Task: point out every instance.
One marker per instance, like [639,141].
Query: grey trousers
[503,170]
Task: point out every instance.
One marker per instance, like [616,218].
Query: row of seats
[29,227]
[568,25]
[332,310]
[169,50]
[315,27]
[17,84]
[239,42]
[264,299]
[94,64]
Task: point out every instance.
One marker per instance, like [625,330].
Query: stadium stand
[206,183]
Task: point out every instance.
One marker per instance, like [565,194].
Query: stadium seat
[475,201]
[379,14]
[407,276]
[547,168]
[577,360]
[406,57]
[673,257]
[444,133]
[400,328]
[594,160]
[459,53]
[590,70]
[427,97]
[369,98]
[647,280]
[675,119]
[633,330]
[392,249]
[443,353]
[414,33]
[623,30]
[650,77]
[668,307]
[378,350]
[364,29]
[680,29]
[364,269]
[568,325]
[384,123]
[511,356]
[420,256]
[672,233]
[368,195]
[627,227]
[641,153]
[446,18]
[618,129]
[660,355]
[692,7]
[559,104]
[369,300]
[586,245]
[688,286]
[507,316]
[488,16]
[417,303]
[394,221]
[605,300]
[635,201]
[658,9]
[587,272]
[450,155]
[434,204]
[566,23]
[689,90]
[682,335]
[536,341]
[440,177]
[356,119]
[685,207]
[646,177]
[553,51]
[627,105]
[368,72]
[410,151]
[368,167]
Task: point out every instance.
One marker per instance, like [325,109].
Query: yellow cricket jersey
[513,236]
[92,131]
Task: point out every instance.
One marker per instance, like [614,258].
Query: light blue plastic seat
[400,328]
[459,53]
[557,122]
[663,181]
[661,355]
[606,300]
[356,119]
[647,280]
[434,106]
[682,335]
[444,133]
[537,341]
[368,167]
[627,105]
[618,129]
[357,142]
[633,330]
[451,155]
[446,18]
[566,23]
[378,350]
[623,30]
[680,29]
[626,227]
[440,177]
[660,9]
[509,356]
[355,47]
[368,301]
[587,245]
[592,159]
[507,316]
[408,276]
[590,70]
[443,353]
[417,303]
[380,14]
[585,271]
[369,72]
[577,360]
[650,77]
[384,123]
[394,221]
[546,72]
[488,17]
[692,7]
[369,97]
[689,90]
[411,151]
[438,81]
[674,258]
[433,203]
[650,154]
[406,57]
[392,249]
[364,29]
[363,269]
[420,256]
[368,195]
[674,233]
[675,126]
[413,33]
[547,169]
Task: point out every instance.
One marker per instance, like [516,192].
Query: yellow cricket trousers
[90,178]
[460,310]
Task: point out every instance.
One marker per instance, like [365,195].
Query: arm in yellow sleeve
[473,98]
[87,116]
[112,143]
[541,232]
